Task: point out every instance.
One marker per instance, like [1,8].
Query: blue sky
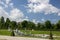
[31,10]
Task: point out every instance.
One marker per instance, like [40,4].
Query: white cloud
[26,18]
[3,13]
[51,9]
[16,14]
[11,4]
[59,14]
[35,21]
[8,1]
[38,1]
[43,20]
[42,6]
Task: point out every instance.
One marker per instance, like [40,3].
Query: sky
[30,10]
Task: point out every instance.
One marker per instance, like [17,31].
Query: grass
[5,32]
[57,33]
[8,33]
[57,39]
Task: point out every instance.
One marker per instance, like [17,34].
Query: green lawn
[8,33]
[56,33]
[42,32]
[5,32]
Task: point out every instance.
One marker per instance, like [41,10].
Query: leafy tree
[19,25]
[39,26]
[2,22]
[58,25]
[28,25]
[48,24]
[24,24]
[54,26]
[31,25]
[7,23]
[13,25]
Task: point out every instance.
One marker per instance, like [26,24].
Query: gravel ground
[19,38]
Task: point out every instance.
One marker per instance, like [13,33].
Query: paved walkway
[19,38]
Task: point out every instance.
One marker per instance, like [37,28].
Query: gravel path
[19,38]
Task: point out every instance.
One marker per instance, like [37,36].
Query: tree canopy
[28,25]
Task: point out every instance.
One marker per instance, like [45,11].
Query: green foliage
[24,24]
[58,25]
[7,23]
[2,22]
[19,26]
[32,25]
[48,24]
[13,25]
[41,26]
[28,25]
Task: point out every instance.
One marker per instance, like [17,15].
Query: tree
[7,23]
[13,25]
[48,24]
[19,25]
[54,26]
[39,26]
[2,23]
[58,25]
[24,24]
[28,25]
[32,25]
